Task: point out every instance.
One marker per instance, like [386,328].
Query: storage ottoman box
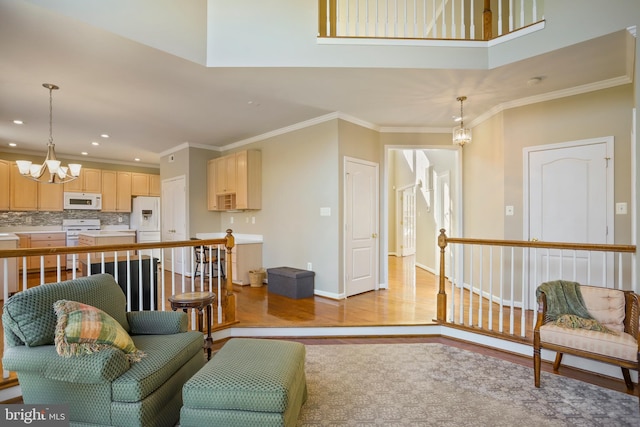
[291,282]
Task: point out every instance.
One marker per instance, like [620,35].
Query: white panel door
[361,226]
[174,225]
[570,200]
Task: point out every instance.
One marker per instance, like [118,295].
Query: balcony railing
[148,273]
[489,285]
[426,19]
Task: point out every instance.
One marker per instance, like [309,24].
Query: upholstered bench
[249,382]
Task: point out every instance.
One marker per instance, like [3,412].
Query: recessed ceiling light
[137,159]
[534,81]
[13,144]
[104,135]
[84,153]
[96,143]
[18,122]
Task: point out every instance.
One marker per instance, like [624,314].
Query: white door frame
[457,218]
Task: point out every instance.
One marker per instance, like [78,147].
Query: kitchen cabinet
[53,239]
[145,184]
[50,197]
[154,185]
[89,181]
[139,184]
[116,191]
[245,257]
[29,195]
[104,238]
[23,192]
[9,242]
[212,199]
[235,181]
[5,187]
[226,174]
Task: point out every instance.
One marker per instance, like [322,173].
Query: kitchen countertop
[240,239]
[8,236]
[107,233]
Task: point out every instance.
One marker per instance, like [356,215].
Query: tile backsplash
[21,219]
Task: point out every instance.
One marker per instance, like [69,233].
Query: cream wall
[597,114]
[483,181]
[300,174]
[191,163]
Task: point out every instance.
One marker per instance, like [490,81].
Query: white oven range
[74,227]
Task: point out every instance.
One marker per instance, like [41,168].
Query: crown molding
[398,129]
[550,96]
[605,84]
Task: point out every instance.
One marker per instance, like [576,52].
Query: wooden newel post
[229,301]
[441,309]
[487,21]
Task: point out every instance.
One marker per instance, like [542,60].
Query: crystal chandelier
[57,174]
[461,135]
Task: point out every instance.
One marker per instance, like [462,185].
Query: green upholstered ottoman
[249,382]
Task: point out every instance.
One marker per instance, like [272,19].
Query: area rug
[438,385]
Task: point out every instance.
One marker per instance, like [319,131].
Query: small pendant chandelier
[57,174]
[461,135]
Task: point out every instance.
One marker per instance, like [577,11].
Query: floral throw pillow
[84,329]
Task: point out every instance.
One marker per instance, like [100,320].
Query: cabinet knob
[374,235]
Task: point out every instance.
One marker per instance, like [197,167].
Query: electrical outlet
[253,220]
[120,219]
[508,211]
[230,220]
[309,266]
[28,220]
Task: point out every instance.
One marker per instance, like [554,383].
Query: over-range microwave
[89,201]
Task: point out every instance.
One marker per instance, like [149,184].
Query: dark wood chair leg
[627,379]
[557,362]
[536,366]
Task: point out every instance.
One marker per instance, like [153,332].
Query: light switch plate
[621,208]
[508,210]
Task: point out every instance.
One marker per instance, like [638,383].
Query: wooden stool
[198,301]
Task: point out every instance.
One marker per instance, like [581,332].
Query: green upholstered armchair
[101,388]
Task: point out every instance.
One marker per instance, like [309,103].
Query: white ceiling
[150,101]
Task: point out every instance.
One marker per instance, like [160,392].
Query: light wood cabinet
[30,195]
[144,184]
[245,257]
[44,240]
[154,185]
[139,184]
[12,266]
[5,187]
[23,192]
[116,191]
[50,197]
[212,199]
[109,239]
[89,181]
[123,190]
[235,181]
[226,174]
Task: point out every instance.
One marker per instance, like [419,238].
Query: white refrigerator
[145,218]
